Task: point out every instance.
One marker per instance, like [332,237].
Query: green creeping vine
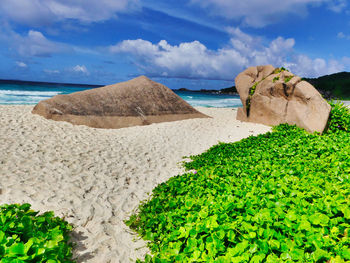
[251,93]
[26,236]
[279,70]
[283,196]
[253,88]
[275,79]
[287,79]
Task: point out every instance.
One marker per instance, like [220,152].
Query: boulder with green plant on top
[273,96]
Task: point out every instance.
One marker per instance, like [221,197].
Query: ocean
[16,92]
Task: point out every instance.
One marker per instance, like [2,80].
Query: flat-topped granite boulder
[139,101]
[273,96]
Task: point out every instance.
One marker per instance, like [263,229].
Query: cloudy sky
[181,43]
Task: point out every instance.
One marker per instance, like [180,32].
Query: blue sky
[183,44]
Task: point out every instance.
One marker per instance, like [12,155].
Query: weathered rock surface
[139,101]
[273,96]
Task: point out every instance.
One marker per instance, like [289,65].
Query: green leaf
[2,251]
[291,215]
[40,251]
[254,248]
[346,253]
[258,258]
[346,212]
[231,236]
[17,249]
[203,214]
[3,219]
[252,235]
[28,245]
[337,259]
[320,254]
[25,207]
[305,225]
[323,220]
[274,244]
[240,248]
[211,222]
[51,244]
[2,238]
[297,254]
[221,234]
[285,256]
[315,219]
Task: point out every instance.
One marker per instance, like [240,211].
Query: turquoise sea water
[32,93]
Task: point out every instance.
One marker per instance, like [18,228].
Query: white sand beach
[95,178]
[346,102]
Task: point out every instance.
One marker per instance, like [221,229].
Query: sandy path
[96,177]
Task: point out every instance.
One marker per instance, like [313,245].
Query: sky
[190,44]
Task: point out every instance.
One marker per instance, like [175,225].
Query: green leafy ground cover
[278,197]
[26,236]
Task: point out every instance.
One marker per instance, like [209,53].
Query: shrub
[275,79]
[26,236]
[278,197]
[339,119]
[287,79]
[251,93]
[279,70]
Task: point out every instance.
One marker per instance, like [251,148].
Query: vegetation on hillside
[282,196]
[333,86]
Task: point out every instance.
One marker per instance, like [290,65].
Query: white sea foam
[17,96]
[217,103]
[29,93]
[24,97]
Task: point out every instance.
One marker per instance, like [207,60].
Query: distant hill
[227,91]
[333,86]
[40,83]
[231,90]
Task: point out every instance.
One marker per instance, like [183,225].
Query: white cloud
[36,44]
[43,12]
[51,71]
[194,60]
[255,13]
[254,50]
[307,67]
[341,35]
[337,5]
[259,13]
[21,64]
[346,61]
[80,69]
[187,60]
[27,12]
[33,44]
